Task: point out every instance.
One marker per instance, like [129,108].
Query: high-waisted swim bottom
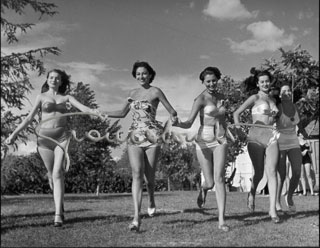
[58,134]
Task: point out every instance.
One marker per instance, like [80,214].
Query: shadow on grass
[256,217]
[67,224]
[16,216]
[247,218]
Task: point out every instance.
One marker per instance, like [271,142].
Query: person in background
[306,165]
[52,102]
[144,135]
[262,141]
[211,142]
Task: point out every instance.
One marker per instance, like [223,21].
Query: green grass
[93,221]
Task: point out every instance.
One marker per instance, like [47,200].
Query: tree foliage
[15,67]
[90,160]
[176,161]
[234,97]
[298,68]
[24,174]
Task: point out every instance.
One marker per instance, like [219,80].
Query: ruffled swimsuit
[145,130]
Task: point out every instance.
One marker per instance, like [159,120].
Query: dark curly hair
[65,82]
[249,85]
[264,73]
[209,71]
[144,64]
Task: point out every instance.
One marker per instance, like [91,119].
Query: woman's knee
[150,183]
[137,175]
[296,171]
[57,174]
[272,172]
[208,184]
[219,180]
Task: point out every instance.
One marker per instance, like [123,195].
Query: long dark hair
[65,82]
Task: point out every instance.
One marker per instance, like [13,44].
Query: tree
[176,162]
[234,98]
[15,84]
[24,174]
[298,68]
[91,162]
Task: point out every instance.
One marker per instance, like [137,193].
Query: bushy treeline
[27,175]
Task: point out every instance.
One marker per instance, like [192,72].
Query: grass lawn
[102,221]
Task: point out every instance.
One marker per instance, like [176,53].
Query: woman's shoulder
[253,98]
[201,97]
[155,89]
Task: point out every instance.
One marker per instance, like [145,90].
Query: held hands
[98,114]
[175,121]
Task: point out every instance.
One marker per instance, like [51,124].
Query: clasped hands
[100,114]
[175,121]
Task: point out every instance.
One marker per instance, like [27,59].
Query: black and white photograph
[159,123]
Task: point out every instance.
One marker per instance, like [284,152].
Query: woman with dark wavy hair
[289,145]
[53,102]
[144,137]
[262,140]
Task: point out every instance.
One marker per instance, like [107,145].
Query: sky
[101,39]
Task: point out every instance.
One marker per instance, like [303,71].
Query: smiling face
[264,83]
[286,93]
[210,81]
[54,80]
[143,76]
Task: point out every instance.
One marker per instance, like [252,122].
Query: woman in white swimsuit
[211,142]
[262,141]
[144,137]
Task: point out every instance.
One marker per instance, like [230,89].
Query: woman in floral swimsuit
[144,135]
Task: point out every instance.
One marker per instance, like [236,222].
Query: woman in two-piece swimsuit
[289,145]
[211,142]
[144,138]
[53,102]
[262,141]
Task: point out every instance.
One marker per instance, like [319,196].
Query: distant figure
[306,165]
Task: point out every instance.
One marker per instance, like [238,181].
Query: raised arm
[247,104]
[119,113]
[166,104]
[197,105]
[25,122]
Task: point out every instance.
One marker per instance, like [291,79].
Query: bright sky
[101,39]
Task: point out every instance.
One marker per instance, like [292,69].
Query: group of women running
[272,136]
